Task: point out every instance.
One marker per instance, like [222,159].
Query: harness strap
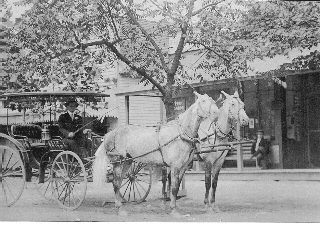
[159,148]
[186,138]
[183,137]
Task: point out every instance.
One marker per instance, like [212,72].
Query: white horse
[231,112]
[173,146]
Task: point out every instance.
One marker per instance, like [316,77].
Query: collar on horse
[224,134]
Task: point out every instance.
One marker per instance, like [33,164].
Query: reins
[217,129]
[183,136]
[94,120]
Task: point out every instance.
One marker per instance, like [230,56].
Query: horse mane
[223,117]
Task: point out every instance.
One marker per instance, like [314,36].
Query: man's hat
[260,131]
[69,101]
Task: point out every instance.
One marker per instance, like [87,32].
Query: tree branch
[140,71]
[166,13]
[158,50]
[112,20]
[210,49]
[207,6]
[178,52]
[184,29]
[68,28]
[112,48]
[76,37]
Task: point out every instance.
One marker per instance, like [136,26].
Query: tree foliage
[66,41]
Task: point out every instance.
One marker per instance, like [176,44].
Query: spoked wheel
[69,180]
[12,175]
[137,183]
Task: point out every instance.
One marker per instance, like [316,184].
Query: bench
[31,132]
[245,151]
[30,136]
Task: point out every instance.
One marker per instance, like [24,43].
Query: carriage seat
[30,131]
[28,134]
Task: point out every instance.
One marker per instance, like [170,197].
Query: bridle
[233,124]
[184,134]
[207,114]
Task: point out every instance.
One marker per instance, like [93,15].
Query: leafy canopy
[71,41]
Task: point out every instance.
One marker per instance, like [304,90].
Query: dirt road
[239,201]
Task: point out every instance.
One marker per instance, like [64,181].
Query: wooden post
[197,165]
[239,152]
[127,110]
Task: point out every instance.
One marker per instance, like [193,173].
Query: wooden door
[314,131]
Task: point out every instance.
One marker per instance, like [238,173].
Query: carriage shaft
[229,146]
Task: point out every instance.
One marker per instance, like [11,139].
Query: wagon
[35,153]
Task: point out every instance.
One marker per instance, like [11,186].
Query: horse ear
[197,94]
[220,98]
[236,94]
[225,94]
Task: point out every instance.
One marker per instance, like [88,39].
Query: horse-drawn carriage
[36,153]
[63,175]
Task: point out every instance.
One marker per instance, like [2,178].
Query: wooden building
[289,116]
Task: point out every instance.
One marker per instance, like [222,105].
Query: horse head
[206,106]
[236,110]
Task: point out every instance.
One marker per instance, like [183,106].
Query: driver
[69,123]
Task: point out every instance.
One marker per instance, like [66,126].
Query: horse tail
[100,166]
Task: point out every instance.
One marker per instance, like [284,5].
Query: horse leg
[174,190]
[119,171]
[169,184]
[215,174]
[207,179]
[176,178]
[164,182]
[213,206]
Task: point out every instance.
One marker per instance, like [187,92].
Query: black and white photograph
[160,111]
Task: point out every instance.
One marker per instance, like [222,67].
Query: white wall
[143,110]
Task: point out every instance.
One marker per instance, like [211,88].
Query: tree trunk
[168,97]
[169,106]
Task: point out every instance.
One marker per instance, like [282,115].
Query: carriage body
[43,158]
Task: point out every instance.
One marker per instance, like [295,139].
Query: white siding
[128,84]
[122,110]
[108,72]
[144,110]
[131,84]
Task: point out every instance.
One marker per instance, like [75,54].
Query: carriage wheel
[12,175]
[69,180]
[137,183]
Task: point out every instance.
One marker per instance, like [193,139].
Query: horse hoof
[122,212]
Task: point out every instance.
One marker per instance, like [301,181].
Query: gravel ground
[239,201]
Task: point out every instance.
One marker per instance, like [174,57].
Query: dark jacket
[264,147]
[67,125]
